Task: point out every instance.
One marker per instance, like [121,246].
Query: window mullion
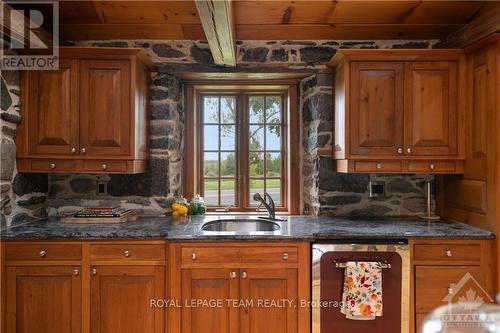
[243,152]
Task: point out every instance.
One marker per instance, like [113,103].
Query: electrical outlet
[377,189]
[102,188]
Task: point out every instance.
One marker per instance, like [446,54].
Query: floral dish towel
[362,295]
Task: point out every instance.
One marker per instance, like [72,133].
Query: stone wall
[23,197]
[323,191]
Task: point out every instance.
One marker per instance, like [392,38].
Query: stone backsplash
[323,191]
[348,195]
[23,197]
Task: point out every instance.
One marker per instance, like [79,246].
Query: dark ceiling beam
[475,30]
[217,21]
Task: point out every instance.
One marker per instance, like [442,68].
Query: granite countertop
[292,228]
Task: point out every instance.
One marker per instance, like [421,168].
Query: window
[238,144]
[218,148]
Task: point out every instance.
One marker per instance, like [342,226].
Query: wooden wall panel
[475,197]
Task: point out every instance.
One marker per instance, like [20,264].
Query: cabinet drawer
[377,166]
[127,252]
[41,251]
[432,166]
[448,252]
[207,255]
[53,165]
[105,166]
[434,283]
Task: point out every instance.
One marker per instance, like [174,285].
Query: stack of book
[101,214]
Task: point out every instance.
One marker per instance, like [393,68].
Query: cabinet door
[431,108]
[270,291]
[43,299]
[105,108]
[480,116]
[376,112]
[52,110]
[120,299]
[209,285]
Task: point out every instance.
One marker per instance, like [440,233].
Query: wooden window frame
[290,144]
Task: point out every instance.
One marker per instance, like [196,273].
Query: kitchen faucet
[269,207]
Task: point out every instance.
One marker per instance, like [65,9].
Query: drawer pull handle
[285,256]
[408,150]
[126,253]
[450,290]
[94,271]
[432,166]
[104,166]
[232,275]
[73,150]
[379,166]
[52,165]
[83,150]
[400,150]
[193,256]
[244,275]
[42,254]
[76,272]
[448,253]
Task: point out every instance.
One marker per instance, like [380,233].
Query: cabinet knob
[285,256]
[76,272]
[126,253]
[83,150]
[244,275]
[378,166]
[193,256]
[73,150]
[432,166]
[42,254]
[104,166]
[408,150]
[400,150]
[232,275]
[448,253]
[450,290]
[94,271]
[52,165]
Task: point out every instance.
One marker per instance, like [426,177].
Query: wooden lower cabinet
[216,288]
[449,271]
[43,299]
[253,296]
[120,298]
[251,300]
[273,294]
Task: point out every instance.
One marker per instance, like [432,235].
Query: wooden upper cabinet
[89,116]
[481,107]
[51,116]
[377,104]
[43,299]
[105,108]
[399,111]
[120,299]
[431,112]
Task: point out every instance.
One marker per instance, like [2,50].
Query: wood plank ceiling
[269,20]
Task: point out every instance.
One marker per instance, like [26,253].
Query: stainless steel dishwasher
[327,286]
